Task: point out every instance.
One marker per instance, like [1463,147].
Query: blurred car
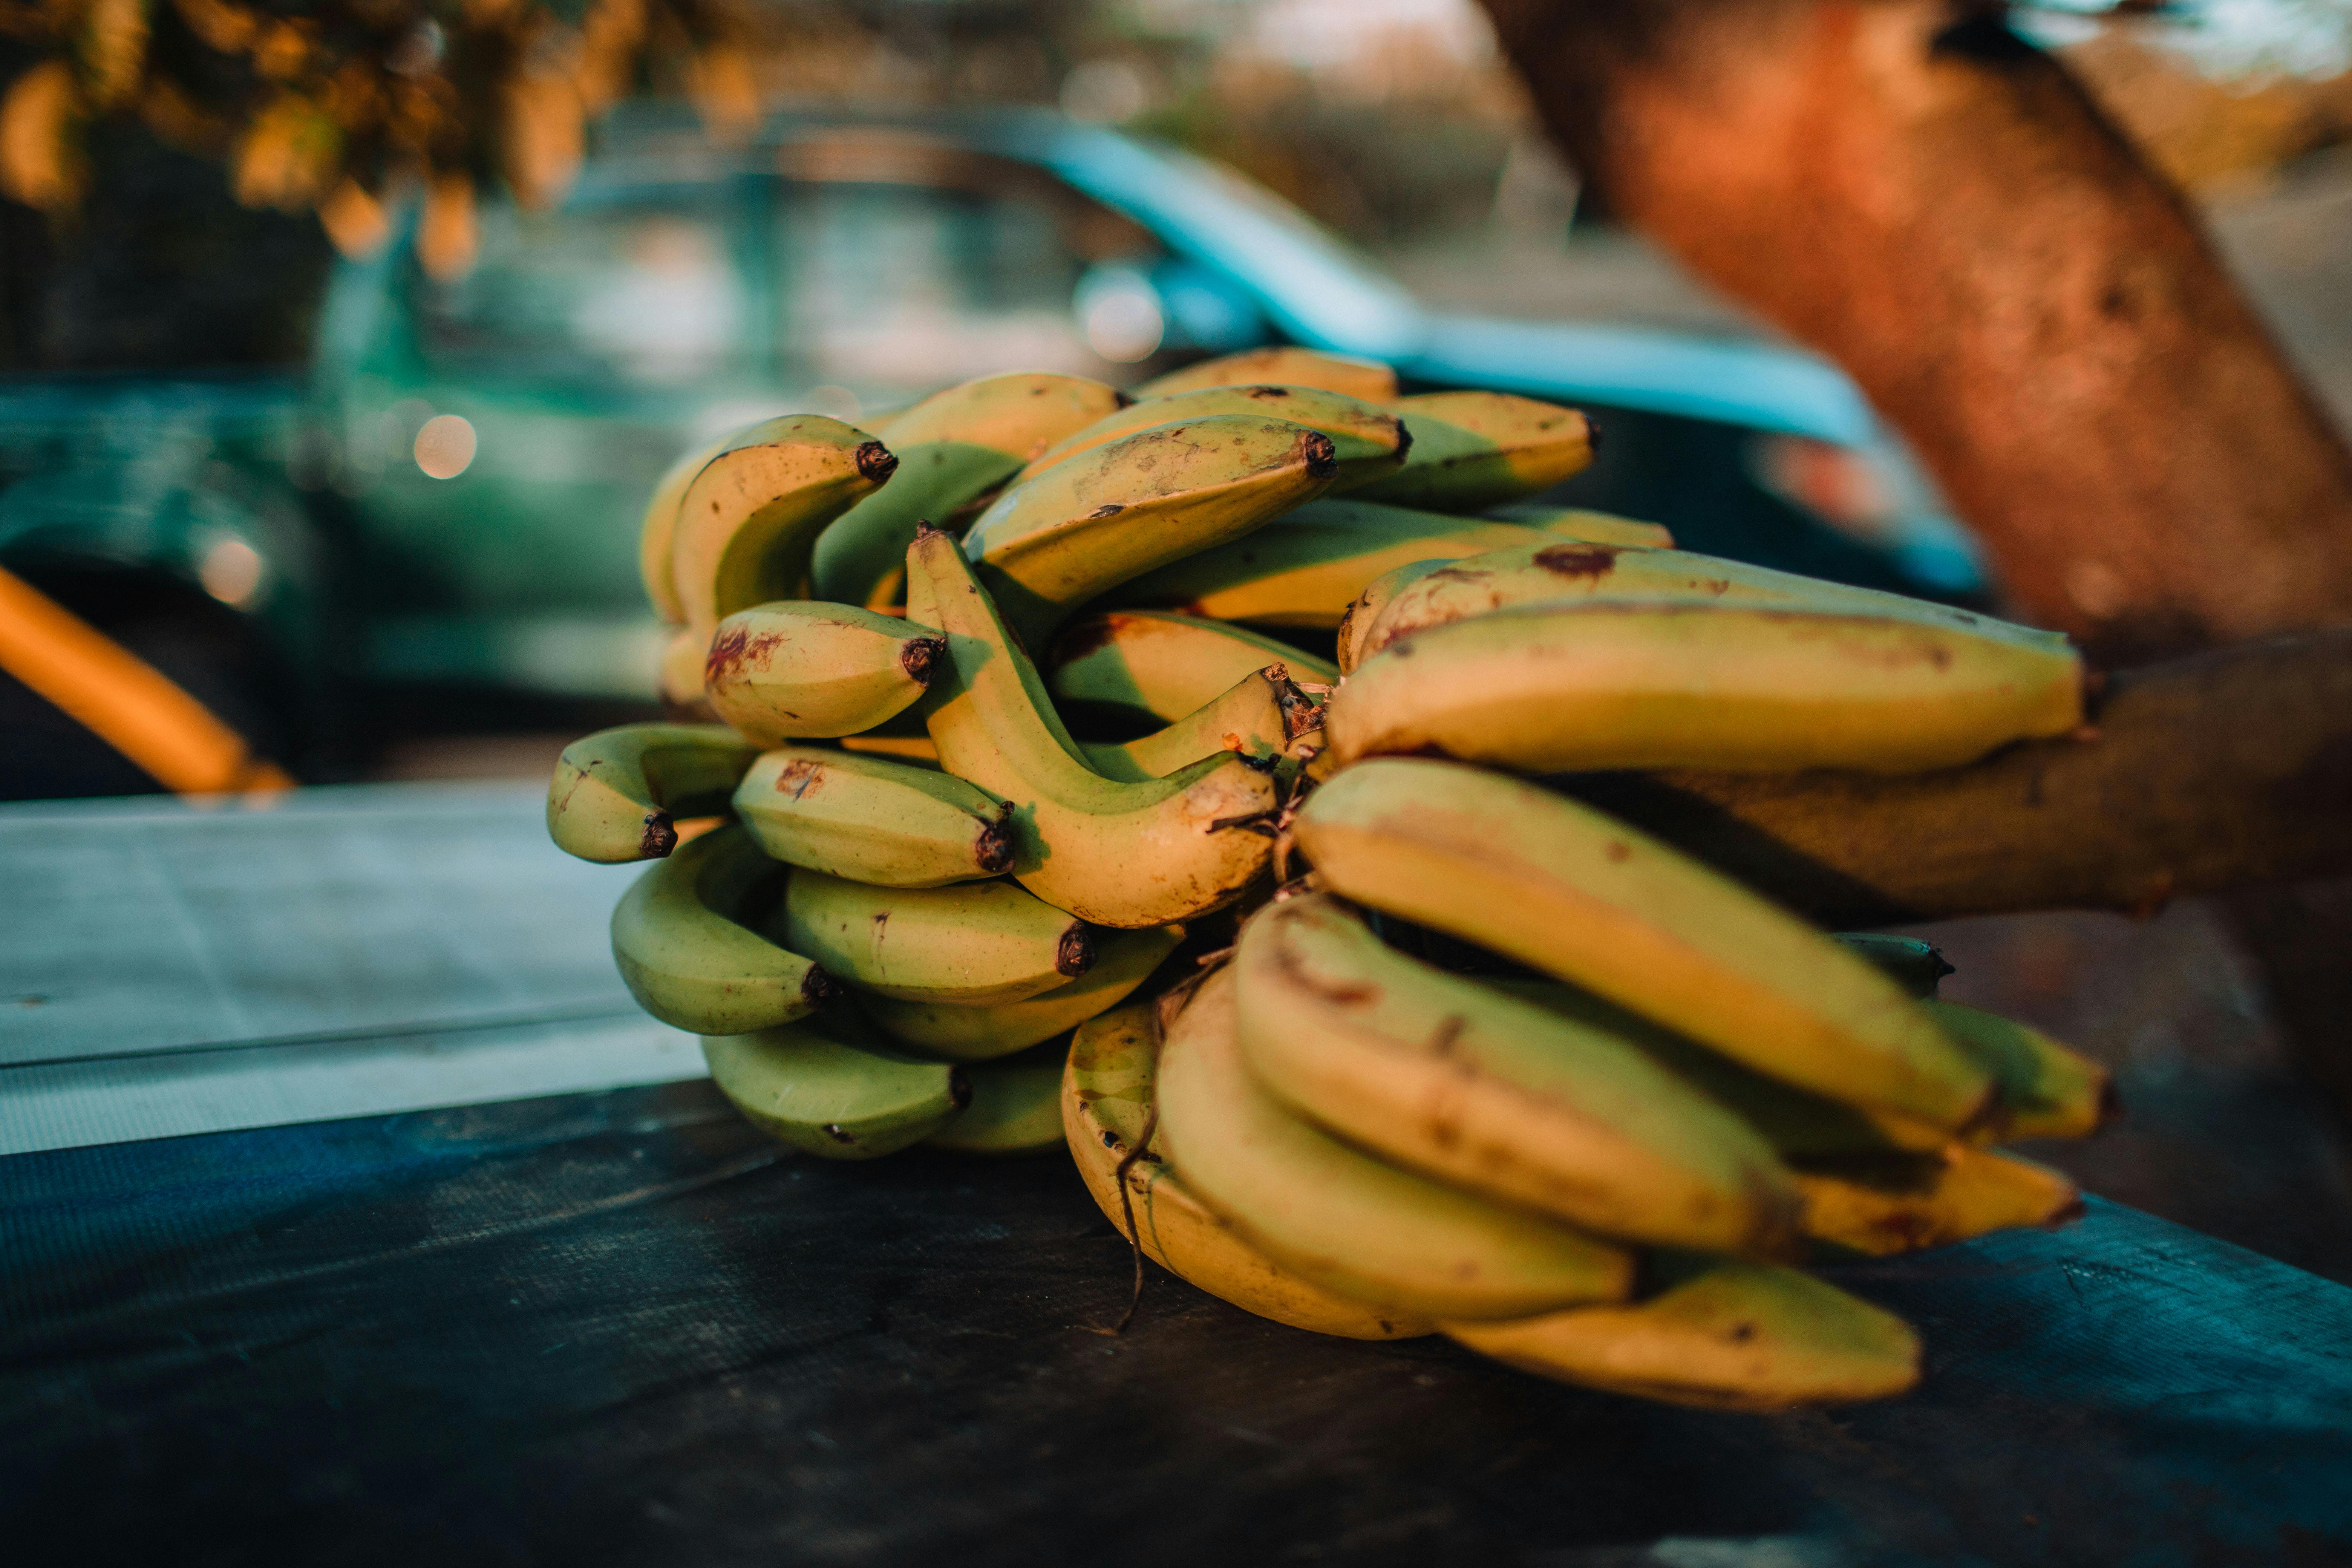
[440,515]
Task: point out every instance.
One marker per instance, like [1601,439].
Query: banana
[1259,717]
[801,668]
[1730,1335]
[1123,961]
[1343,1219]
[684,954]
[1744,688]
[953,449]
[1496,1095]
[828,1089]
[1916,966]
[1367,440]
[1882,1207]
[617,794]
[1016,1105]
[873,820]
[660,527]
[1049,544]
[749,519]
[1576,522]
[1163,666]
[1367,379]
[1357,621]
[1561,886]
[1476,449]
[679,677]
[2050,1091]
[1107,1104]
[975,944]
[1114,853]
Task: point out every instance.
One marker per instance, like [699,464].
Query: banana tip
[660,836]
[875,461]
[1075,953]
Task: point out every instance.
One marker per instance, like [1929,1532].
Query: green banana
[1568,687]
[1916,966]
[976,944]
[1114,853]
[1123,961]
[1729,1335]
[1364,612]
[1259,717]
[805,669]
[1496,1095]
[2050,1091]
[685,954]
[617,795]
[1155,664]
[1578,522]
[1882,1207]
[1049,544]
[1472,451]
[873,820]
[828,1089]
[1343,1219]
[1016,1105]
[1362,378]
[749,519]
[1367,440]
[953,449]
[1557,885]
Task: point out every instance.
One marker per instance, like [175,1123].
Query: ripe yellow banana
[688,960]
[1259,717]
[660,527]
[1082,527]
[1155,664]
[617,795]
[802,668]
[1123,961]
[679,677]
[1016,1105]
[1576,522]
[1343,1219]
[1367,379]
[1881,1207]
[953,449]
[1561,887]
[1572,686]
[749,519]
[976,944]
[1364,612]
[1731,1335]
[873,820]
[827,1087]
[1367,440]
[1472,451]
[1114,853]
[1916,966]
[2050,1091]
[1496,1095]
[1106,1105]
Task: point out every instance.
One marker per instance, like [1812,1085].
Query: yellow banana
[1916,966]
[828,1089]
[1476,449]
[687,959]
[1881,1207]
[1163,666]
[1367,440]
[1576,522]
[873,820]
[616,795]
[1568,687]
[1731,1335]
[976,944]
[1049,544]
[1496,1095]
[953,447]
[1560,886]
[1016,1105]
[802,668]
[1115,853]
[1343,1219]
[1106,1105]
[1259,717]
[679,677]
[660,527]
[2049,1090]
[1364,612]
[1367,379]
[1123,961]
[749,519]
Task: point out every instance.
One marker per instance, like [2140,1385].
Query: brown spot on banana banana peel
[1593,562]
[799,777]
[875,461]
[734,647]
[1075,953]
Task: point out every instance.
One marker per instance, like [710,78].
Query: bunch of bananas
[1497,1066]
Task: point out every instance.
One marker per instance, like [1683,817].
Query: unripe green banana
[1560,886]
[1347,1221]
[1367,379]
[2049,1090]
[749,518]
[1579,522]
[975,944]
[1916,966]
[1731,1335]
[873,820]
[1574,686]
[1082,527]
[806,668]
[1882,1207]
[1016,1105]
[1496,1095]
[617,795]
[828,1089]
[1367,440]
[1472,451]
[1259,717]
[953,449]
[1123,961]
[1115,853]
[685,955]
[1158,665]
